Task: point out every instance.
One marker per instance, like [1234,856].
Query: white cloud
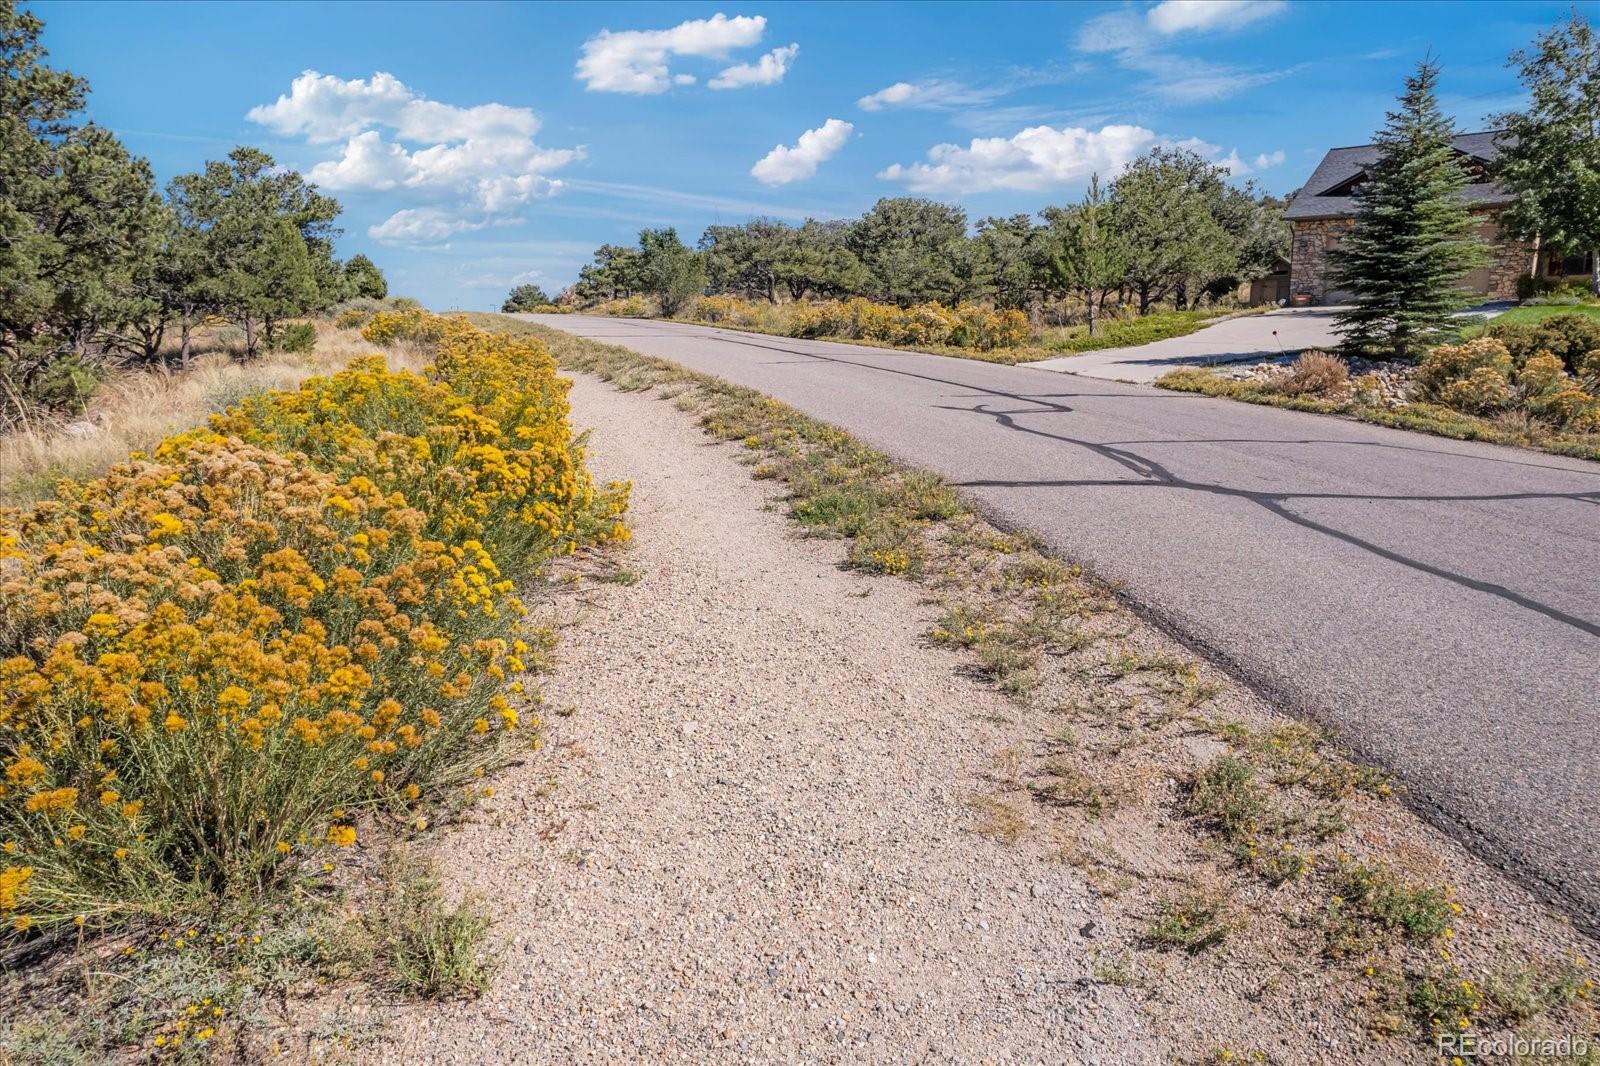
[932,94]
[785,164]
[1134,40]
[1037,158]
[1240,168]
[1176,16]
[768,70]
[472,163]
[421,225]
[899,93]
[636,61]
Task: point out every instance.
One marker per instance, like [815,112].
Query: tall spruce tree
[1414,239]
[1550,156]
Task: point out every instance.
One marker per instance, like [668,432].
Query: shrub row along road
[1437,603]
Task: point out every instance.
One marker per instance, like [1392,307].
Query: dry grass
[135,409]
[1315,374]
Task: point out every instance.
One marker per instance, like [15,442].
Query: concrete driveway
[1282,332]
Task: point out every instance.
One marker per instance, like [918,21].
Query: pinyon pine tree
[1091,260]
[1414,239]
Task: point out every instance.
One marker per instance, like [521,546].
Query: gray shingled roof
[1342,164]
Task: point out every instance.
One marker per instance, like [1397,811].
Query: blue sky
[475,146]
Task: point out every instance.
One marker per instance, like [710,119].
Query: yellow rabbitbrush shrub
[210,658]
[964,326]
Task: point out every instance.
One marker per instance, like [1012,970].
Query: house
[1325,208]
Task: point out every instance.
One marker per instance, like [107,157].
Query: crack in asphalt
[1149,468]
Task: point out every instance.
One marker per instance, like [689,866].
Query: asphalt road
[1437,603]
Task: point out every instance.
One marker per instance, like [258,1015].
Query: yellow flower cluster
[210,652]
[963,326]
[1480,377]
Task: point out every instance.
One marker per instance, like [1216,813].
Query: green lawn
[1128,332]
[1539,312]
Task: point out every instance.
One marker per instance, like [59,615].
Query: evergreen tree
[264,240]
[669,270]
[1008,259]
[1550,158]
[1414,239]
[1091,259]
[80,221]
[914,250]
[364,280]
[525,298]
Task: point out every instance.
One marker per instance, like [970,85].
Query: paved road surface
[1250,337]
[1436,602]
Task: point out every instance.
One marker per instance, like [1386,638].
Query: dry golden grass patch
[136,408]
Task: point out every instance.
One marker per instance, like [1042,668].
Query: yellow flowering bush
[1477,377]
[966,326]
[212,655]
[732,311]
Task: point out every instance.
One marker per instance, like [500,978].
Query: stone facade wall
[1509,260]
[1313,239]
[1308,257]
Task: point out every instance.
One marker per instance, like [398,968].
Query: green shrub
[1570,337]
[295,337]
[1376,893]
[1226,796]
[66,383]
[1530,286]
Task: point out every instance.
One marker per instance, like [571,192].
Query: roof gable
[1330,191]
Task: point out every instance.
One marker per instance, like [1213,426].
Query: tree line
[1170,230]
[97,264]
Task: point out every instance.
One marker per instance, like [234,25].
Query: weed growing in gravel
[435,950]
[1192,924]
[1375,893]
[1226,796]
[1115,970]
[1064,785]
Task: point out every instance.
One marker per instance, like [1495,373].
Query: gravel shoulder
[764,847]
[780,825]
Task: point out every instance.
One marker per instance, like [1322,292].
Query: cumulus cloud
[637,61]
[791,163]
[1037,158]
[768,70]
[1176,16]
[474,163]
